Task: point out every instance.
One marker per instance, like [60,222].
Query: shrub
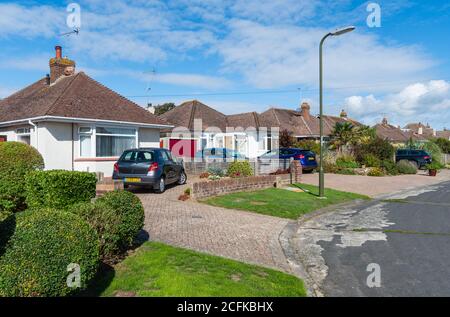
[346,161]
[390,167]
[216,171]
[346,171]
[406,167]
[7,227]
[105,222]
[37,256]
[376,171]
[434,150]
[240,169]
[371,160]
[59,189]
[443,144]
[330,167]
[434,166]
[309,145]
[128,208]
[378,147]
[17,159]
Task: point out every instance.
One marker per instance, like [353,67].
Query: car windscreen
[128,156]
[145,156]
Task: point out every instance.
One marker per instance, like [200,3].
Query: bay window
[106,141]
[114,141]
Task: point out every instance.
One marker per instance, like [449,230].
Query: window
[85,141]
[167,157]
[23,131]
[113,141]
[145,156]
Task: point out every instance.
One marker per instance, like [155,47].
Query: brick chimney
[60,66]
[306,108]
[385,121]
[343,114]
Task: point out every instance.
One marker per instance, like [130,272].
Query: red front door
[3,138]
[183,148]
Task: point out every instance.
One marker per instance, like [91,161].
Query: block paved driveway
[234,234]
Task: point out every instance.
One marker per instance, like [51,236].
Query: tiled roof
[392,133]
[443,134]
[76,96]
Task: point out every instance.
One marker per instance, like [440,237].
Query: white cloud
[277,56]
[429,101]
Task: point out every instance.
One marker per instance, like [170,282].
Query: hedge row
[17,159]
[59,189]
[39,252]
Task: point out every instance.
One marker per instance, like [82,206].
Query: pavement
[405,236]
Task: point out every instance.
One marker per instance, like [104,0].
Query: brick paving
[233,234]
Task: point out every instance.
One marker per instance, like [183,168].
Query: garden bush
[309,145]
[390,167]
[346,161]
[370,160]
[17,159]
[59,189]
[240,169]
[406,167]
[216,171]
[128,208]
[330,167]
[378,147]
[376,171]
[7,227]
[346,171]
[434,150]
[43,245]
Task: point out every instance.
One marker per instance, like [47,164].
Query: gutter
[81,120]
[35,128]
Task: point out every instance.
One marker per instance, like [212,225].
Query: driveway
[407,235]
[233,234]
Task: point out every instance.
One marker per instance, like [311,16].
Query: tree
[444,144]
[343,134]
[165,107]
[286,139]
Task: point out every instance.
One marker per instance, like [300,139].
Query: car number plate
[132,180]
[311,158]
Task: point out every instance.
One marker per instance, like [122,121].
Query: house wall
[54,142]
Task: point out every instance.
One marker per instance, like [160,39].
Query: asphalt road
[407,235]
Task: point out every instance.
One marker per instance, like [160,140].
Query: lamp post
[321,173]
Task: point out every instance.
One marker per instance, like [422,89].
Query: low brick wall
[105,185]
[231,185]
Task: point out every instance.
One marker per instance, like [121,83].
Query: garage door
[183,148]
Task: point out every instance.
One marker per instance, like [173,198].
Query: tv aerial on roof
[74,32]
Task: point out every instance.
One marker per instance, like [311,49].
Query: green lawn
[281,202]
[160,270]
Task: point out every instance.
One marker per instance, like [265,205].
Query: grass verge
[281,202]
[160,270]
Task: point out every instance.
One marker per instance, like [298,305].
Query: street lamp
[321,173]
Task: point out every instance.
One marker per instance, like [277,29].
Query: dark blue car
[306,158]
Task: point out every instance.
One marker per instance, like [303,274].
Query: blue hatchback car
[306,158]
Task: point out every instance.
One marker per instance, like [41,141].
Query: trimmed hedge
[240,169]
[17,159]
[40,250]
[105,221]
[127,207]
[7,227]
[59,189]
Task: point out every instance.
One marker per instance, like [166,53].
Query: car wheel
[182,179]
[162,186]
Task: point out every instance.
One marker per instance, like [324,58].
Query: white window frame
[27,131]
[136,135]
[93,133]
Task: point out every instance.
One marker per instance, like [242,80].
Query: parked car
[219,154]
[149,167]
[418,157]
[307,158]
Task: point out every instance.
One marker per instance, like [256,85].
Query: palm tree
[343,134]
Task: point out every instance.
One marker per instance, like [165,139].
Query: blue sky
[239,56]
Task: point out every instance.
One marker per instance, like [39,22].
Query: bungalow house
[75,122]
[445,134]
[252,134]
[420,129]
[395,135]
